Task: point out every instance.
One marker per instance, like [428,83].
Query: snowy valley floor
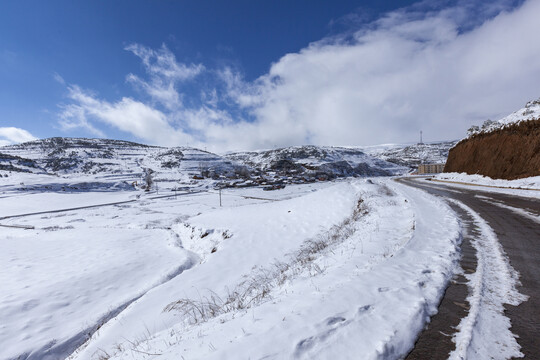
[343,269]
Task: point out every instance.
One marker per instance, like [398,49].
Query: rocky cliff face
[509,153]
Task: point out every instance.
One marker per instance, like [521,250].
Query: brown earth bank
[509,153]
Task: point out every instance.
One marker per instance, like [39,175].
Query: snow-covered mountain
[412,155]
[82,164]
[387,159]
[129,161]
[65,156]
[78,156]
[316,161]
[125,164]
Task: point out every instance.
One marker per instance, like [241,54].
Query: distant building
[430,168]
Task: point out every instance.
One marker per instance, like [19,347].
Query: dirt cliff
[512,152]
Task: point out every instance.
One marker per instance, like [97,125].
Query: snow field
[367,294]
[260,234]
[75,270]
[61,280]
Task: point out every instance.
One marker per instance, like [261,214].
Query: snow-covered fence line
[257,286]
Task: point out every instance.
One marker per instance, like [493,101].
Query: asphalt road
[519,234]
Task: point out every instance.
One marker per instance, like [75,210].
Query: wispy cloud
[59,79]
[429,67]
[74,116]
[13,135]
[164,74]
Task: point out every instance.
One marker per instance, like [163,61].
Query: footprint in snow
[364,309]
[328,327]
[334,320]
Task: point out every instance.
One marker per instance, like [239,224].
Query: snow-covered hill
[64,156]
[109,164]
[115,163]
[531,111]
[82,156]
[317,161]
[411,155]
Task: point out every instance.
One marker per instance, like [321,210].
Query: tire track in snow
[435,341]
[485,331]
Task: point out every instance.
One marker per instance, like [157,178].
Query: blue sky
[83,41]
[257,74]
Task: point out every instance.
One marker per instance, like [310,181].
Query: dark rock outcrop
[511,152]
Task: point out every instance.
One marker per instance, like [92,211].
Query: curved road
[516,222]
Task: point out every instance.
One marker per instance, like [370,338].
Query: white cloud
[416,68]
[13,135]
[74,117]
[127,115]
[401,74]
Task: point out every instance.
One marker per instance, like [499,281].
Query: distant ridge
[129,162]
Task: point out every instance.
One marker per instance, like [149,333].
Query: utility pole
[420,137]
[220,197]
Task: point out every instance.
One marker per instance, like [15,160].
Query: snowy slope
[13,163]
[91,164]
[531,111]
[312,160]
[412,155]
[88,156]
[65,156]
[83,164]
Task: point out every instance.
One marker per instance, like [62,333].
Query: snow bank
[525,187]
